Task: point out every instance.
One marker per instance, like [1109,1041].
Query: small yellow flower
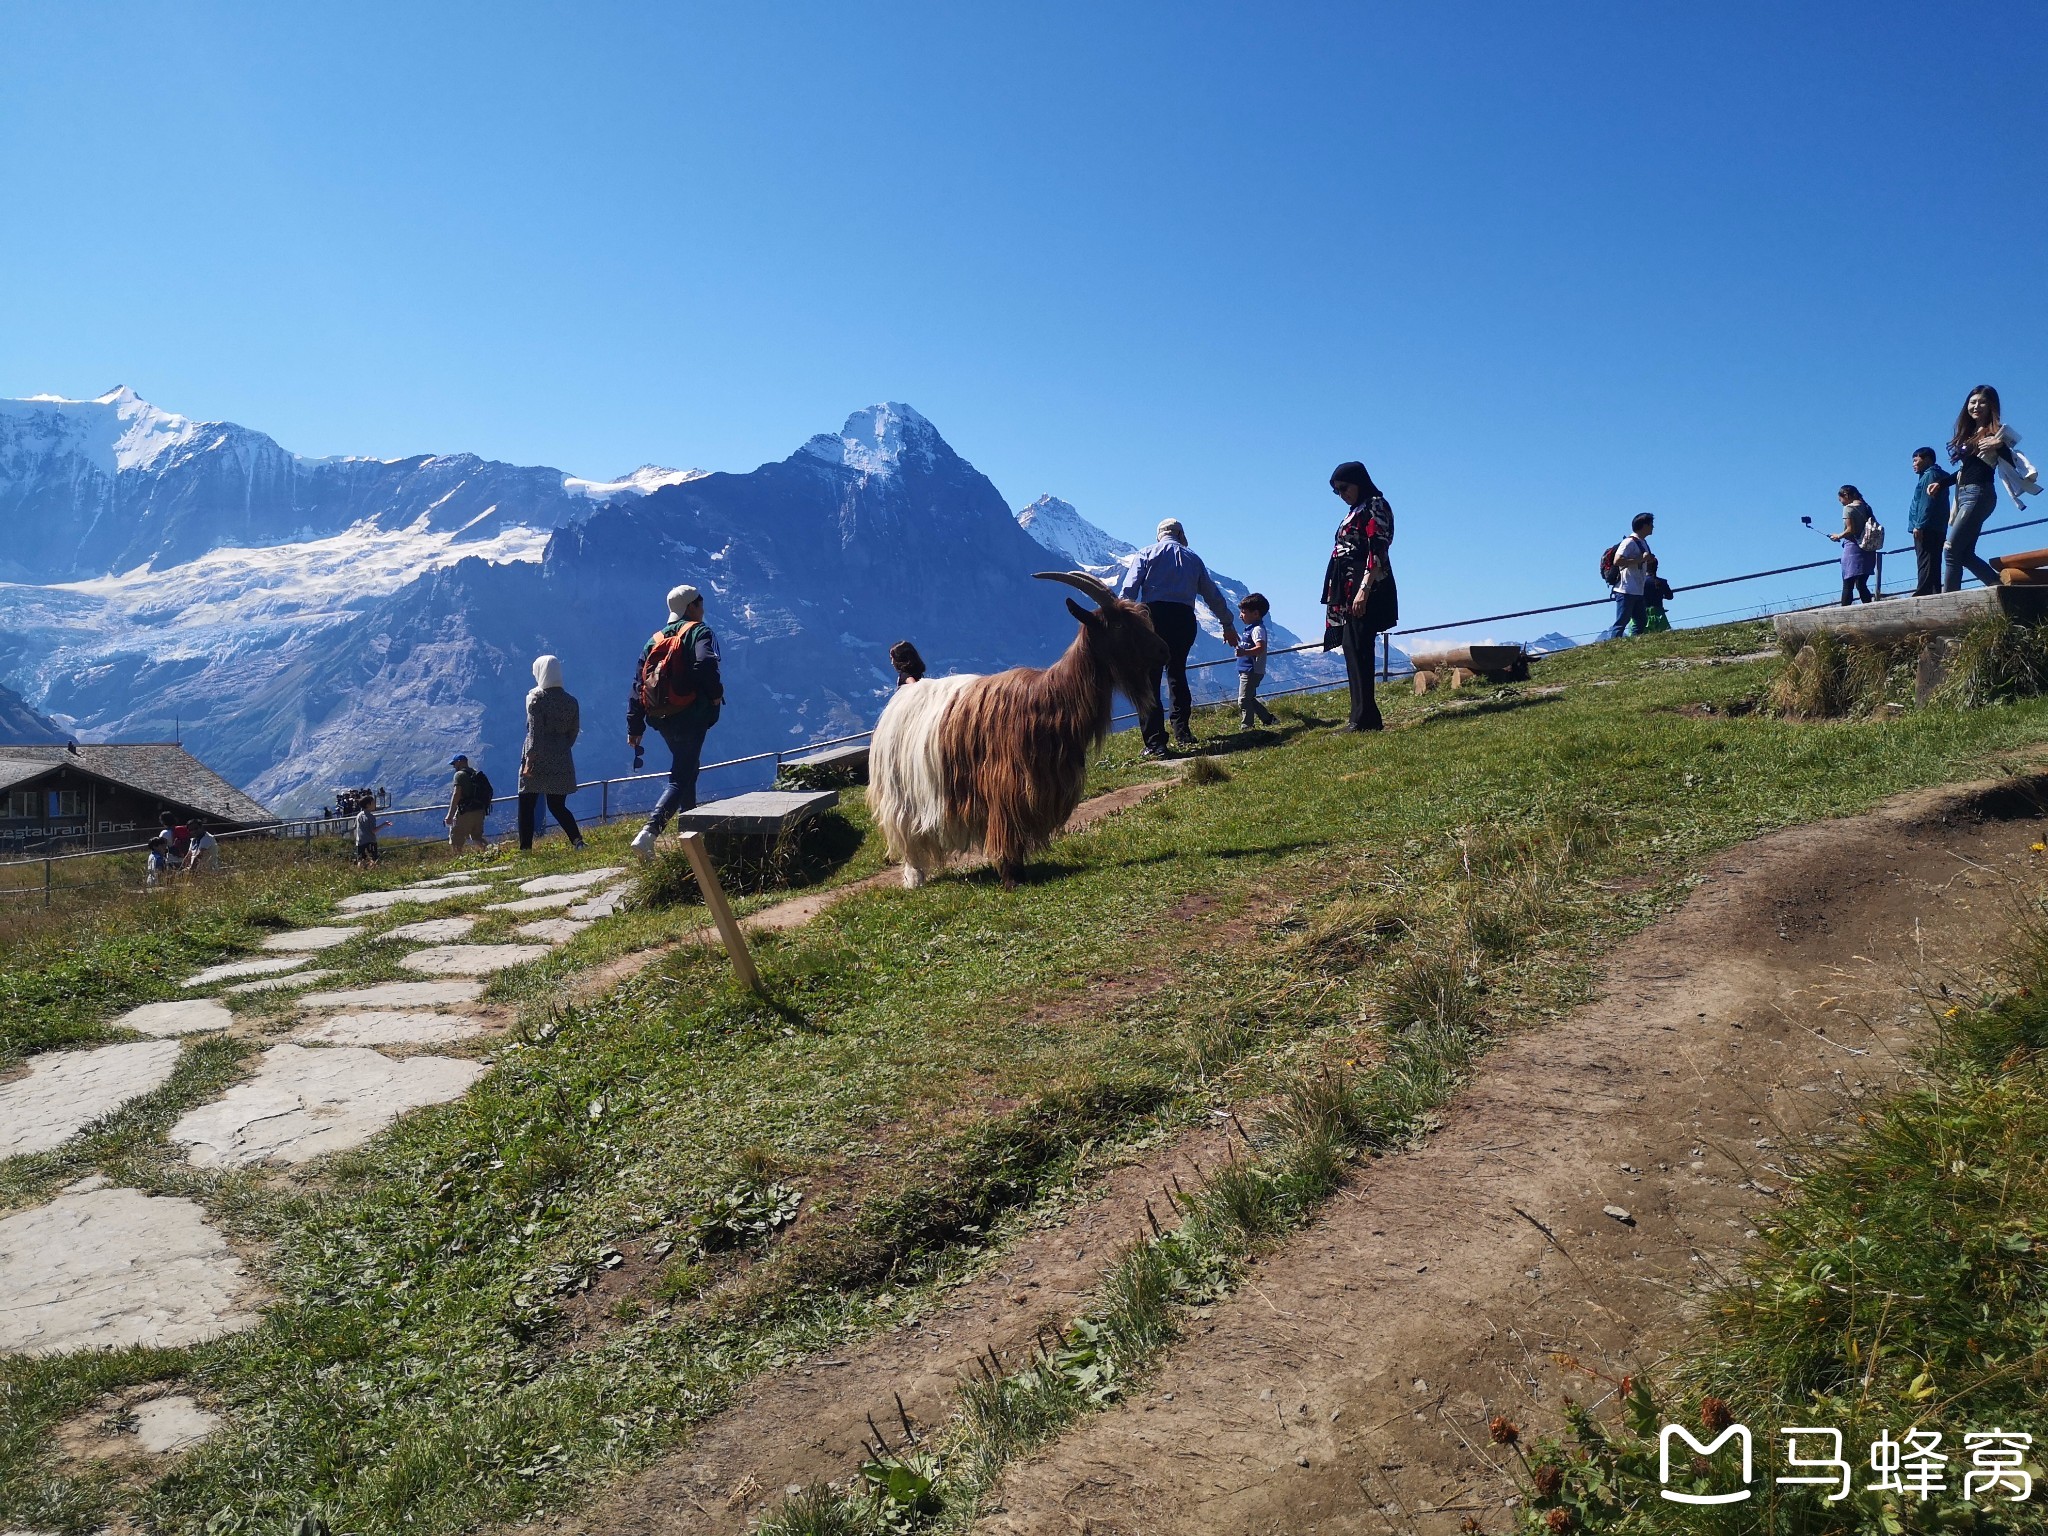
[1952,1013]
[2041,847]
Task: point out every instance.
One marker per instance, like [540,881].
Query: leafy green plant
[742,1213]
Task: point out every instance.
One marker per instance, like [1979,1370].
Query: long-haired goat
[999,761]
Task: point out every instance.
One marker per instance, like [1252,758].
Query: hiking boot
[643,842]
[1184,739]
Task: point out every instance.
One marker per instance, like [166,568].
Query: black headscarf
[1351,472]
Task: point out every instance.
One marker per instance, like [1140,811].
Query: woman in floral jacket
[1359,597]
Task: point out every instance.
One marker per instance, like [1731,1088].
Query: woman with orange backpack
[676,689]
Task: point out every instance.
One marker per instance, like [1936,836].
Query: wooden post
[721,914]
[46,883]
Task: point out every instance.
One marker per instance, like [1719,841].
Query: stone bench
[849,761]
[767,813]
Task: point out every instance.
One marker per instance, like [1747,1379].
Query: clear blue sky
[1541,267]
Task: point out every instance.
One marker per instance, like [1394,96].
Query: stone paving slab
[397,994]
[461,877]
[536,903]
[470,959]
[113,1268]
[303,1103]
[166,1425]
[389,1027]
[65,1091]
[378,901]
[581,880]
[551,930]
[435,930]
[180,1016]
[598,906]
[280,983]
[236,968]
[311,938]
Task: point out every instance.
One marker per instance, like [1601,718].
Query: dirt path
[1376,1345]
[1347,1387]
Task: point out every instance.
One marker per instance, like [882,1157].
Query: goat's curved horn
[1081,581]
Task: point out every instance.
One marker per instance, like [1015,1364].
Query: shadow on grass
[1461,711]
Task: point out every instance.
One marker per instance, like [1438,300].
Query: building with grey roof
[110,794]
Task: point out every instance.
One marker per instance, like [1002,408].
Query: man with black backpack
[676,689]
[469,805]
[1626,570]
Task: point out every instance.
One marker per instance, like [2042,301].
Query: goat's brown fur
[1014,747]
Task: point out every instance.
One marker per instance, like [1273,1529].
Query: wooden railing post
[721,914]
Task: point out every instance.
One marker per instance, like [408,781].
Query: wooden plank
[1944,613]
[2023,562]
[721,913]
[2015,576]
[762,813]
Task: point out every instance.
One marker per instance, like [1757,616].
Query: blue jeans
[1974,504]
[1629,607]
[684,734]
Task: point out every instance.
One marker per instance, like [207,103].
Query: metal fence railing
[634,794]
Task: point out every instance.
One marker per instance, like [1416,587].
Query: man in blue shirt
[1928,520]
[1167,577]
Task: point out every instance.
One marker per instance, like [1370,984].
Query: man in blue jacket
[1167,577]
[1927,520]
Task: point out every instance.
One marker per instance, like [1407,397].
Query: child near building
[1251,659]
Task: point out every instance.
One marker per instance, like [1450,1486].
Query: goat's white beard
[906,780]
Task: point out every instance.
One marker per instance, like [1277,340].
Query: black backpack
[481,794]
[1610,573]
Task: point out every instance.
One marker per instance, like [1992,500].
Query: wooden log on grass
[1944,613]
[2030,560]
[2018,576]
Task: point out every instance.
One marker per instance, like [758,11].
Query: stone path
[65,1091]
[389,1028]
[281,983]
[378,901]
[311,938]
[236,968]
[551,930]
[165,1426]
[109,1268]
[303,1103]
[470,959]
[180,1016]
[397,994]
[435,930]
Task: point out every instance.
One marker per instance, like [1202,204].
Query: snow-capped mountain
[1544,645]
[359,648]
[91,487]
[1063,531]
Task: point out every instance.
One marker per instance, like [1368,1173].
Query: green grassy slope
[931,1068]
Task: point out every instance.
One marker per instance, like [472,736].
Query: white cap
[680,598]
